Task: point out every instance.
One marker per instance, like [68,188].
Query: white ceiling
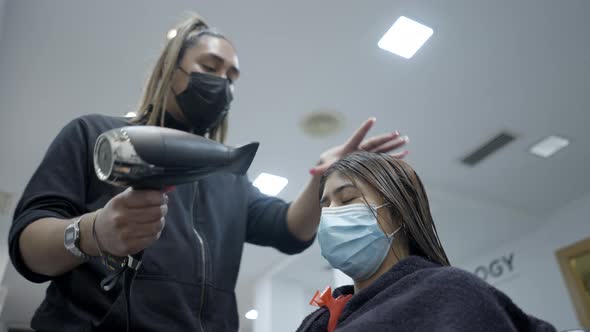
[490,66]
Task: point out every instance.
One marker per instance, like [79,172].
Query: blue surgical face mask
[351,240]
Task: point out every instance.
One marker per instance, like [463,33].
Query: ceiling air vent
[490,147]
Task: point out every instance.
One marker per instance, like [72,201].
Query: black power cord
[128,278]
[128,273]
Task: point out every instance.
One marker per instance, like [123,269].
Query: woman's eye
[208,68]
[346,201]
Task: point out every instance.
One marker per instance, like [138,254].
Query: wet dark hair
[400,186]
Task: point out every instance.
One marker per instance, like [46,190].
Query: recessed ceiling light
[130,114]
[405,37]
[252,314]
[171,34]
[270,184]
[322,123]
[549,146]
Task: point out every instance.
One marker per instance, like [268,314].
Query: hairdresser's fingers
[146,215]
[131,242]
[147,230]
[320,169]
[374,142]
[392,145]
[141,244]
[400,155]
[336,153]
[141,198]
[356,139]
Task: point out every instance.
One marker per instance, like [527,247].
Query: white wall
[2,13]
[282,304]
[5,222]
[263,303]
[535,282]
[4,219]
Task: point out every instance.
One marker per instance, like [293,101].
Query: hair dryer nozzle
[242,157]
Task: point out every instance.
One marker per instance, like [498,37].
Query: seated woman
[376,227]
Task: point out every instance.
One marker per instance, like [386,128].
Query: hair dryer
[150,157]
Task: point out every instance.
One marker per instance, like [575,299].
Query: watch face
[70,236]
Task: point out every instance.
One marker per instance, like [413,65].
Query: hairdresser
[71,229]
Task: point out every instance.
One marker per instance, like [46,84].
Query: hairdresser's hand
[131,221]
[383,143]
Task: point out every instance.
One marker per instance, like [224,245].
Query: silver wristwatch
[72,240]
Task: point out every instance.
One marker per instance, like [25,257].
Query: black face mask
[205,102]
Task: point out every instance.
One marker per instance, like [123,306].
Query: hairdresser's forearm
[303,216]
[42,245]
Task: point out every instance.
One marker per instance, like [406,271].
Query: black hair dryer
[150,157]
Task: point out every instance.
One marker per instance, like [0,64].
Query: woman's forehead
[337,179]
[217,46]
